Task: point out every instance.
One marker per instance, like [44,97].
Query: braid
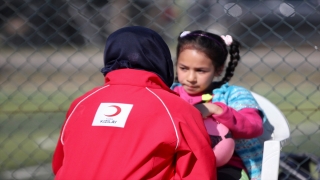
[234,59]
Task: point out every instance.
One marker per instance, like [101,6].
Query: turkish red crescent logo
[116,113]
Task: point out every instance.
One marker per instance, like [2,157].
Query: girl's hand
[207,109]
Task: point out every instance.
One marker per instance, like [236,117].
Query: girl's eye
[201,71]
[183,68]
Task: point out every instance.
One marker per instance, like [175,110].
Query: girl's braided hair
[215,48]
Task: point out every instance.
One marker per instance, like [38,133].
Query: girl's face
[195,71]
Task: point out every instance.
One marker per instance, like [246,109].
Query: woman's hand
[207,109]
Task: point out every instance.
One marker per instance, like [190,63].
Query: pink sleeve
[244,124]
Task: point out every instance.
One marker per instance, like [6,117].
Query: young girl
[201,57]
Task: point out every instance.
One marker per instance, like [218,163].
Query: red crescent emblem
[116,113]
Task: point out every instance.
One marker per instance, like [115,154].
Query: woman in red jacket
[133,127]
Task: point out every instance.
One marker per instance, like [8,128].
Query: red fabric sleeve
[58,154]
[57,157]
[194,158]
[244,124]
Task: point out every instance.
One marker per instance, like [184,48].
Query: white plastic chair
[272,147]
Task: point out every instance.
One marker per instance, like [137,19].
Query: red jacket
[133,127]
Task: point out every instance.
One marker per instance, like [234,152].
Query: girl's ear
[219,71]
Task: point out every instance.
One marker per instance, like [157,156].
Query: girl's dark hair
[214,47]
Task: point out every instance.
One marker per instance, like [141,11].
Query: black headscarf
[141,48]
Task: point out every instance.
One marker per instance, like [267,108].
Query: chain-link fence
[51,52]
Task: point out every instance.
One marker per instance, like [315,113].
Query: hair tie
[184,33]
[227,39]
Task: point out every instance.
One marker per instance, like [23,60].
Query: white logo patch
[112,114]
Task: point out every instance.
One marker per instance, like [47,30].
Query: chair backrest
[272,147]
[276,118]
